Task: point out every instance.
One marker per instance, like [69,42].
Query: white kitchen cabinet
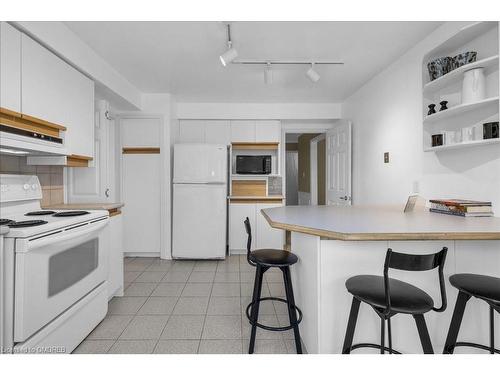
[53,91]
[115,256]
[80,115]
[44,76]
[10,67]
[267,237]
[192,131]
[205,131]
[238,212]
[267,131]
[140,132]
[243,131]
[141,195]
[218,132]
[263,236]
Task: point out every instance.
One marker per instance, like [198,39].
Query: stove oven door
[54,271]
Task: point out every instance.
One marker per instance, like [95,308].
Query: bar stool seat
[273,257]
[405,298]
[485,288]
[480,286]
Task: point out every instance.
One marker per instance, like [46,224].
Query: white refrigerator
[199,219]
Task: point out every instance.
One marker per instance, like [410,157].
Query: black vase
[432,109]
[443,105]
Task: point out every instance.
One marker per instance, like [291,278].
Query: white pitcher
[473,86]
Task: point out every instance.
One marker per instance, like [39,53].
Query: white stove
[53,284]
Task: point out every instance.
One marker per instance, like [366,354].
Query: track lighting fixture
[268,74]
[312,74]
[231,53]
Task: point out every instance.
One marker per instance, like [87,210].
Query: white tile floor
[190,307]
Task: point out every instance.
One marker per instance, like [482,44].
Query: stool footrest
[269,328]
[373,346]
[474,345]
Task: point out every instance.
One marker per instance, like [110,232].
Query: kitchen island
[334,243]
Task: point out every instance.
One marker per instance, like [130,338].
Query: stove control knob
[34,186]
[26,186]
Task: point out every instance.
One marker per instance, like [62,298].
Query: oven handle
[71,235]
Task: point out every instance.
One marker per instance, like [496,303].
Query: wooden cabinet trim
[256,200]
[255,146]
[114,212]
[77,161]
[141,150]
[21,121]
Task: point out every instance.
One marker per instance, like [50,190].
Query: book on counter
[461,207]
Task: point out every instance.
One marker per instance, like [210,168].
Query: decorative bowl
[464,58]
[439,67]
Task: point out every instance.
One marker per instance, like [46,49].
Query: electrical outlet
[386,157]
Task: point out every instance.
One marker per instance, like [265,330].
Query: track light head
[231,52]
[312,74]
[228,56]
[268,74]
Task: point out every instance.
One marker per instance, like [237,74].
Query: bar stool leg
[257,289]
[424,334]
[292,314]
[351,326]
[389,333]
[492,331]
[456,321]
[382,336]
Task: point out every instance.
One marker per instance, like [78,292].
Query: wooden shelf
[255,146]
[489,63]
[460,109]
[140,150]
[454,146]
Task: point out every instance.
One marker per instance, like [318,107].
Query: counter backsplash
[51,177]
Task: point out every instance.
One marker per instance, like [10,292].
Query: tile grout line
[172,313]
[205,318]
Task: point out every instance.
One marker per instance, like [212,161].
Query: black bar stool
[389,297]
[485,288]
[264,259]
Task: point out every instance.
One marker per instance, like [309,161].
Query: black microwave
[253,164]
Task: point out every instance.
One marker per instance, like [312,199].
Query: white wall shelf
[481,142]
[460,109]
[489,63]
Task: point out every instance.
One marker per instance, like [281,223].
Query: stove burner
[71,213]
[6,221]
[26,223]
[39,213]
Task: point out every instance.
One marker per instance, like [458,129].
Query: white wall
[387,116]
[258,111]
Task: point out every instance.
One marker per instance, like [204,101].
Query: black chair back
[415,262]
[248,228]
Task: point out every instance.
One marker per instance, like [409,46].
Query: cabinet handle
[106,193]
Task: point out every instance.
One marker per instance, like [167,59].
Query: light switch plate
[386,157]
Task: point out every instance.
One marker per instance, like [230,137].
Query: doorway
[305,168]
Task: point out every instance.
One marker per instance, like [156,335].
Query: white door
[338,164]
[93,184]
[199,221]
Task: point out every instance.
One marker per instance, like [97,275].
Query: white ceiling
[182,57]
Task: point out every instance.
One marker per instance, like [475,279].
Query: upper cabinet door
[80,138]
[268,131]
[44,83]
[243,131]
[54,91]
[218,132]
[191,131]
[10,67]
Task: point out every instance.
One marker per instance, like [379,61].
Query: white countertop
[85,206]
[353,223]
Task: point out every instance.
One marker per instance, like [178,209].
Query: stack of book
[461,207]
